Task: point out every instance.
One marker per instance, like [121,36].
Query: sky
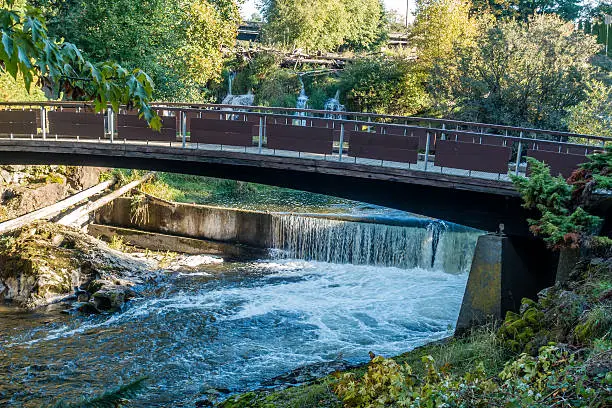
[250,6]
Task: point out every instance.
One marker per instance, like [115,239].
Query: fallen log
[54,209]
[86,209]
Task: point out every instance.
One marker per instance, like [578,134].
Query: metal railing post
[111,123]
[341,142]
[43,121]
[427,149]
[261,130]
[183,117]
[518,154]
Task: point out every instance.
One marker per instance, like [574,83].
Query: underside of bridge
[477,203]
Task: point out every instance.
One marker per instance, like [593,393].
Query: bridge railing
[438,145]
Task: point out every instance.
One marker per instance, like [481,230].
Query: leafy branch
[27,49]
[563,223]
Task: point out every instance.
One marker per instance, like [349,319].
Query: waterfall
[436,246]
[333,105]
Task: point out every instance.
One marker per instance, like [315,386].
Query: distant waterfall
[435,246]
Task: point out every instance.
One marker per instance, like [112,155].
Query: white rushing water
[438,246]
[262,320]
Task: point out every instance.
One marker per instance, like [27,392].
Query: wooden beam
[77,214]
[54,209]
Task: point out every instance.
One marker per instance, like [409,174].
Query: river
[334,292]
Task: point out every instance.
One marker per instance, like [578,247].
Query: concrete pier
[504,271]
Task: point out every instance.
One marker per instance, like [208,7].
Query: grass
[459,355]
[117,243]
[230,193]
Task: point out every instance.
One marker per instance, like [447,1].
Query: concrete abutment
[504,270]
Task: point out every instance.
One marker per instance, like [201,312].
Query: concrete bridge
[457,171]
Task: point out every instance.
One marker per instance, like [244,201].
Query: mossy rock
[43,261]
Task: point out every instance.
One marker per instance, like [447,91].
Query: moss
[519,331]
[318,394]
[597,323]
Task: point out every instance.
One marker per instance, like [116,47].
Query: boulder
[82,178]
[112,297]
[44,261]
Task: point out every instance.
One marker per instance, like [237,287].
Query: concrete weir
[504,271]
[225,225]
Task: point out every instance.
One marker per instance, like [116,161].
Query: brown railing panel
[384,147]
[548,146]
[18,122]
[472,156]
[300,138]
[130,127]
[83,125]
[222,132]
[421,134]
[584,150]
[211,115]
[559,163]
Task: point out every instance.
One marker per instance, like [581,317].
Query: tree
[386,86]
[441,28]
[593,115]
[28,52]
[517,74]
[324,25]
[524,9]
[180,43]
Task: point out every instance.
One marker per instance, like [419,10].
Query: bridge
[452,170]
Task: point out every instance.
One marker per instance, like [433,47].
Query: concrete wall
[194,221]
[504,271]
[162,242]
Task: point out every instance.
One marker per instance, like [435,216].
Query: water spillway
[418,243]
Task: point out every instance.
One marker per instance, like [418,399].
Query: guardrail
[439,145]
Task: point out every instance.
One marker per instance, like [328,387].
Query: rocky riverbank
[44,262]
[28,188]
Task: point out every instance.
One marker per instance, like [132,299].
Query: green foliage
[524,9]
[389,86]
[460,354]
[566,230]
[178,42]
[441,29]
[281,88]
[521,74]
[593,116]
[518,331]
[553,377]
[28,52]
[387,383]
[551,196]
[541,190]
[324,25]
[549,378]
[112,399]
[13,90]
[595,325]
